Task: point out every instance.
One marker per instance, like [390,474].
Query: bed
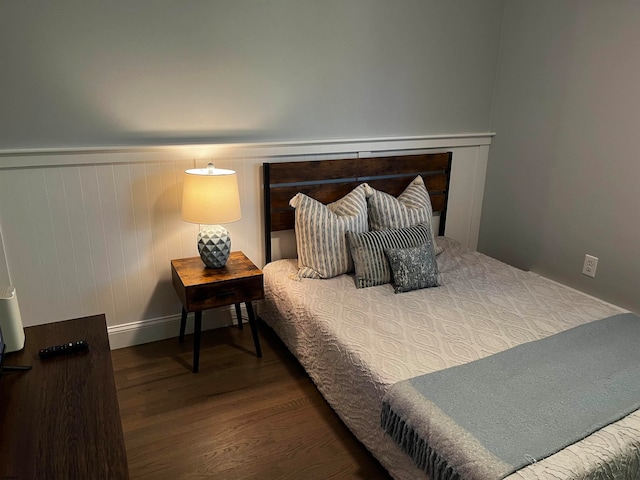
[357,344]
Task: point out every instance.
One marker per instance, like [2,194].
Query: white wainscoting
[86,231]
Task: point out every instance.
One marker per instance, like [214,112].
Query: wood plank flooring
[241,417]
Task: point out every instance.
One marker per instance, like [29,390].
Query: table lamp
[210,197]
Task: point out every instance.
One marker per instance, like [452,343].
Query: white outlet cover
[590,265]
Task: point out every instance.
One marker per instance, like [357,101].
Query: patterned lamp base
[214,245]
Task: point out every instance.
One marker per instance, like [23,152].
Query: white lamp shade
[210,196]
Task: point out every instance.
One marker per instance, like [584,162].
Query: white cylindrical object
[10,320]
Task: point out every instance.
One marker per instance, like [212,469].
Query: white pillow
[321,232]
[412,207]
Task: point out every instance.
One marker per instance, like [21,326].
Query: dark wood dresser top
[61,419]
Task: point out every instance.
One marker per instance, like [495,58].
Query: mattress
[356,343]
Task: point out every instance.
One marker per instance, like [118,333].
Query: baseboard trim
[156,329]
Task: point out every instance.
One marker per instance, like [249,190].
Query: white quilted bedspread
[355,343]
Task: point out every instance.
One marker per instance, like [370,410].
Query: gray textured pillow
[413,268]
[411,207]
[320,232]
[367,249]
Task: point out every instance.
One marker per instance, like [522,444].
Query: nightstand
[200,288]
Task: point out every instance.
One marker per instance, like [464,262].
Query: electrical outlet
[590,265]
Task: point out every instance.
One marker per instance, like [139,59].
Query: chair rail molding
[40,157]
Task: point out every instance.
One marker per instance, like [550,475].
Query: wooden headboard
[329,180]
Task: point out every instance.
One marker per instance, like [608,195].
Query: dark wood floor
[239,418]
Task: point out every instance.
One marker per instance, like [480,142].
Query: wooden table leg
[254,328]
[183,325]
[239,315]
[196,341]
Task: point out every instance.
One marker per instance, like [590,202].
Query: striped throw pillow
[367,249]
[321,229]
[413,206]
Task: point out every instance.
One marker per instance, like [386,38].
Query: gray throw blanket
[488,418]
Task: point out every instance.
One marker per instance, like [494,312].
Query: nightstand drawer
[202,297]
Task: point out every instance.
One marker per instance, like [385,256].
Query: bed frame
[329,180]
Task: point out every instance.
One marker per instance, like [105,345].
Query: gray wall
[120,72]
[564,169]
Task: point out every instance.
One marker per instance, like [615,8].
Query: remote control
[65,348]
